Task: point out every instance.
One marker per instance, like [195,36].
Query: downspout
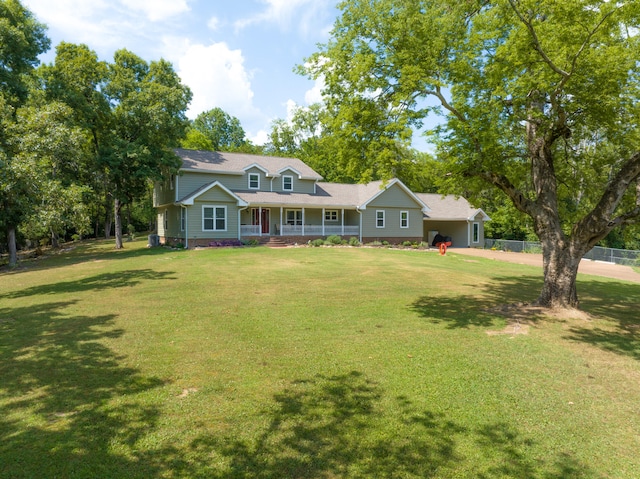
[186,226]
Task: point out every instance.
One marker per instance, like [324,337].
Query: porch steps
[275,242]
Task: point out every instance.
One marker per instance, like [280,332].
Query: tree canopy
[540,100]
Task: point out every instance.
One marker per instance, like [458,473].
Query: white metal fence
[609,255]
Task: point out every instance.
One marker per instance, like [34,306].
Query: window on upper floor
[287,183]
[254,181]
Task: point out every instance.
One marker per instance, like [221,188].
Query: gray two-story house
[223,196]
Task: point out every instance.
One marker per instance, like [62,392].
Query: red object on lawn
[443,247]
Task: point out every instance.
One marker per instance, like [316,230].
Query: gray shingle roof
[236,163]
[449,207]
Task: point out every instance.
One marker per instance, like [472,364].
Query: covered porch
[290,221]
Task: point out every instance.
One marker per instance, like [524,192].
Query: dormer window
[254,181]
[287,183]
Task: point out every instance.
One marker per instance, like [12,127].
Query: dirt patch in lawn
[521,316]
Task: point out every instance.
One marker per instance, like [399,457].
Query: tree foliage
[313,136]
[540,101]
[216,130]
[22,39]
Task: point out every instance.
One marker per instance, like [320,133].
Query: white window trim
[215,207]
[404,212]
[295,219]
[475,232]
[331,216]
[284,177]
[252,175]
[383,218]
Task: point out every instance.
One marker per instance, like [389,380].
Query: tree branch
[536,41]
[600,218]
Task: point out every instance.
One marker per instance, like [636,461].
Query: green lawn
[309,363]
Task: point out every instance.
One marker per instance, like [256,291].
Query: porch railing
[309,230]
[250,230]
[316,230]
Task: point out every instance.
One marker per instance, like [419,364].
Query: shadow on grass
[463,311]
[613,303]
[618,302]
[89,250]
[345,426]
[100,281]
[65,400]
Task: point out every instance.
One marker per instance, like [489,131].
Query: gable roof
[376,188]
[450,208]
[329,195]
[189,199]
[239,163]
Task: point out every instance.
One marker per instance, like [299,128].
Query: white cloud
[285,13]
[260,138]
[213,23]
[217,77]
[314,94]
[157,10]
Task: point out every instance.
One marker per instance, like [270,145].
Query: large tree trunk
[560,266]
[107,226]
[11,243]
[117,207]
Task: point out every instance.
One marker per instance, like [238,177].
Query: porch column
[302,221]
[323,222]
[260,219]
[281,221]
[342,213]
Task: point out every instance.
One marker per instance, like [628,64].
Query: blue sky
[238,55]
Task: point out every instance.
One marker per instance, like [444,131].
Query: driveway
[596,268]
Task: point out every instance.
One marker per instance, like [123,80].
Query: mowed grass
[309,363]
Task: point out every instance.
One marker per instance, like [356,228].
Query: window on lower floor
[476,232]
[183,219]
[331,215]
[380,219]
[404,219]
[294,217]
[165,220]
[214,218]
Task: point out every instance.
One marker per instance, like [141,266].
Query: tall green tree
[22,39]
[216,130]
[313,136]
[47,157]
[540,98]
[148,105]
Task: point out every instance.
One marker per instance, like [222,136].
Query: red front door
[261,217]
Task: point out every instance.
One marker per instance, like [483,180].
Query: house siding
[393,201]
[190,182]
[299,186]
[392,229]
